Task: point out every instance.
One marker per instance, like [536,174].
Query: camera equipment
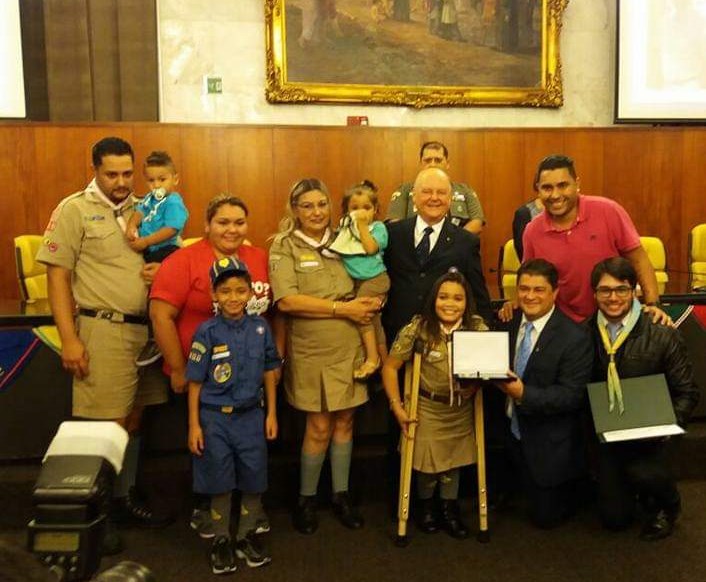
[72,497]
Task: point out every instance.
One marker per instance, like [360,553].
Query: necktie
[424,246]
[614,329]
[521,358]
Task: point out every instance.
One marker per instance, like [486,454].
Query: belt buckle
[104,314]
[227,409]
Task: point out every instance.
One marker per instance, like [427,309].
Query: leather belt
[230,409]
[113,316]
[434,396]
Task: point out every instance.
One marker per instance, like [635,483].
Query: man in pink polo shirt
[575,232]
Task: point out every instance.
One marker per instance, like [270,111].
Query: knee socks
[220,514]
[250,510]
[341,454]
[448,484]
[310,467]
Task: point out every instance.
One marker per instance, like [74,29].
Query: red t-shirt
[183,281]
[603,229]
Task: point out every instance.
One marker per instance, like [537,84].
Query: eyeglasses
[621,292]
[310,206]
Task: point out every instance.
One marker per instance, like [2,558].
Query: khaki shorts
[112,387]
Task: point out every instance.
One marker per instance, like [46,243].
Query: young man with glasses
[625,337]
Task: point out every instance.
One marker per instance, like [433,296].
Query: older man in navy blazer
[424,247]
[552,358]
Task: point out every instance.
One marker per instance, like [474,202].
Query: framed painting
[417,53]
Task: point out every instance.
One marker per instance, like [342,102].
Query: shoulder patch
[199,347]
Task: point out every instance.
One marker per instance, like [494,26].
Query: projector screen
[661,68]
[12,86]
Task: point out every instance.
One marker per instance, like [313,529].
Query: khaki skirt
[445,437]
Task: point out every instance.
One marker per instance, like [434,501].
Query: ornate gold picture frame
[418,53]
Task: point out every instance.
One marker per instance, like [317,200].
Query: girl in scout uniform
[445,438]
[314,291]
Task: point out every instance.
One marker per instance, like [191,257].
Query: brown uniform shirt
[83,235]
[321,353]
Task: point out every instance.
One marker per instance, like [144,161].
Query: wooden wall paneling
[341,165]
[624,167]
[504,191]
[585,147]
[250,177]
[412,140]
[203,168]
[662,192]
[154,137]
[380,155]
[64,160]
[297,153]
[16,215]
[467,162]
[539,143]
[68,61]
[692,197]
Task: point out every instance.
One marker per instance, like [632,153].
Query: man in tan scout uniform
[91,266]
[464,210]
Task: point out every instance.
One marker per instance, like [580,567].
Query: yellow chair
[655,251]
[31,274]
[189,241]
[32,278]
[697,257]
[508,263]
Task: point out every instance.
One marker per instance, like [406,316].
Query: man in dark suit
[552,358]
[424,247]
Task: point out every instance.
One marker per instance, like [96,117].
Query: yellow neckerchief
[453,382]
[613,380]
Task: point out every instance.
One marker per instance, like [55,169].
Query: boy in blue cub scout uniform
[232,354]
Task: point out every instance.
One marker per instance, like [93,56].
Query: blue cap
[227,266]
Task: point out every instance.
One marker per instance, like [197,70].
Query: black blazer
[411,283]
[550,415]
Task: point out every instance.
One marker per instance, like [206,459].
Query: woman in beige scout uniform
[313,290]
[445,437]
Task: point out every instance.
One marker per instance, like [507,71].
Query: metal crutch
[411,399]
[483,533]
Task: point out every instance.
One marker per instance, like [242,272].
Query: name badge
[220,356]
[309,264]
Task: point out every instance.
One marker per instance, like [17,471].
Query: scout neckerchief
[117,209]
[611,347]
[319,245]
[453,382]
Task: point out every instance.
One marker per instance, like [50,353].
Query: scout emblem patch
[222,372]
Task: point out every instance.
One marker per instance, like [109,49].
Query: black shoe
[112,543]
[252,551]
[305,520]
[149,355]
[128,512]
[348,515]
[428,520]
[660,525]
[451,519]
[222,557]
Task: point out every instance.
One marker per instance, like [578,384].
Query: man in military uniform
[99,301]
[465,209]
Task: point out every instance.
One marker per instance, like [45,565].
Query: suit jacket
[551,412]
[411,282]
